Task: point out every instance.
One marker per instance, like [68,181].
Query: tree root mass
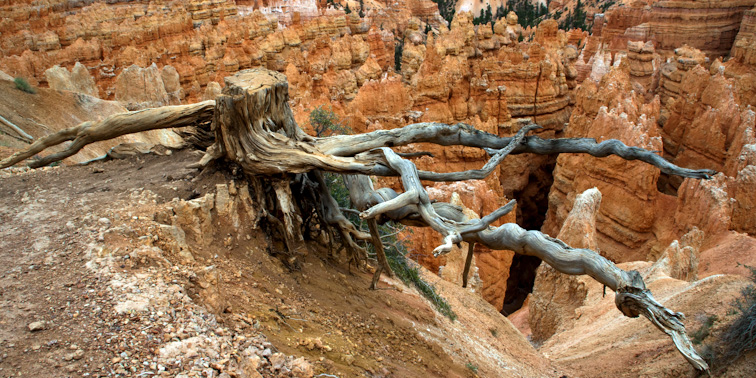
[255,128]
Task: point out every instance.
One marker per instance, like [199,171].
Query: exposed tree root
[255,129]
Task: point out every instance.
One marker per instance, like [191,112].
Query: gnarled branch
[112,127]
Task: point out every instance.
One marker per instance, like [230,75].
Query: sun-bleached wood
[112,127]
[255,128]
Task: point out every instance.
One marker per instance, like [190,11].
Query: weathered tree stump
[254,128]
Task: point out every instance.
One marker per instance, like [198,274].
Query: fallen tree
[254,128]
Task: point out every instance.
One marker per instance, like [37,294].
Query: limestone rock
[744,209]
[579,229]
[603,342]
[707,26]
[172,85]
[680,259]
[685,59]
[644,64]
[139,88]
[212,90]
[556,296]
[611,110]
[77,80]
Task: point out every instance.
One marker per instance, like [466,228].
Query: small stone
[347,358]
[37,326]
[251,363]
[277,360]
[300,368]
[77,355]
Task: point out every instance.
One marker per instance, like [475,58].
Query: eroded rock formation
[710,26]
[611,109]
[556,296]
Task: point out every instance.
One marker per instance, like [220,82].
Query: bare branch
[466,135]
[111,127]
[21,133]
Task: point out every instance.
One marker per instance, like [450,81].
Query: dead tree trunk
[112,127]
[255,129]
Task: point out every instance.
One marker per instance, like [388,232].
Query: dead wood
[468,263]
[254,128]
[22,135]
[112,127]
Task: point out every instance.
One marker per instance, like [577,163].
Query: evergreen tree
[579,16]
[362,8]
[398,50]
[446,9]
[347,10]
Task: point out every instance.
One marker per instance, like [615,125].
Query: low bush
[24,85]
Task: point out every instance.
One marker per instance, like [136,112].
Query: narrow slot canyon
[533,203]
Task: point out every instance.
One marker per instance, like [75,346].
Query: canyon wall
[710,26]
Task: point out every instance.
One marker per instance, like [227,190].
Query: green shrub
[408,272]
[326,123]
[698,336]
[473,368]
[740,336]
[23,85]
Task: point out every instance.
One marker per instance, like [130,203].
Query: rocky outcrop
[77,80]
[611,109]
[644,64]
[556,296]
[707,127]
[710,26]
[685,59]
[483,77]
[49,111]
[602,342]
[186,226]
[680,259]
[139,88]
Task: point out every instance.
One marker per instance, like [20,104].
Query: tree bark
[112,127]
[254,128]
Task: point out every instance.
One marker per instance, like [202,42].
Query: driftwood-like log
[112,127]
[22,135]
[254,128]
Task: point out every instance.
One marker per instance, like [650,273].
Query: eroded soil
[84,252]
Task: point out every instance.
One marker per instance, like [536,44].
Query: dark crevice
[532,205]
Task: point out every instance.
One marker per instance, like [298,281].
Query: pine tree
[398,50]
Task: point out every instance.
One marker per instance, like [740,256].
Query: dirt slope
[87,251]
